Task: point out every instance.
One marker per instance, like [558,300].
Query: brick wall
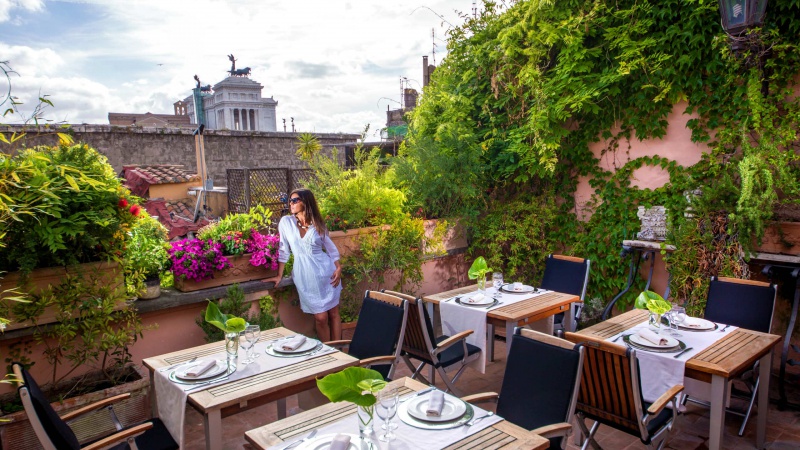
[224,149]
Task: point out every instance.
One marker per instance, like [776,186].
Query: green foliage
[233,305]
[514,237]
[361,197]
[478,269]
[146,253]
[396,250]
[89,332]
[240,224]
[652,302]
[354,384]
[308,146]
[228,323]
[71,208]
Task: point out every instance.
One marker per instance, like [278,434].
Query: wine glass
[678,317]
[245,344]
[252,333]
[386,409]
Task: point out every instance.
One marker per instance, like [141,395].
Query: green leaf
[349,385]
[652,302]
[225,322]
[478,268]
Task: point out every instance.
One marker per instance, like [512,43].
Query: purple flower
[196,259]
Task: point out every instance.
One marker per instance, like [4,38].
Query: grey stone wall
[224,149]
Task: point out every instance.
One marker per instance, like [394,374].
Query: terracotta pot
[781,238]
[348,241]
[108,272]
[239,272]
[16,431]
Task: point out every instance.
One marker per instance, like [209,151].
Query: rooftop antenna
[433,41]
[474,9]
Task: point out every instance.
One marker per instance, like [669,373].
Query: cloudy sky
[333,65]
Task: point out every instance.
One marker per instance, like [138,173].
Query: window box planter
[39,279]
[781,238]
[348,241]
[239,272]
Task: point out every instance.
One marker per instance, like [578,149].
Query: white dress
[313,267]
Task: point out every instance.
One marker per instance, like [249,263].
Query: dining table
[499,435]
[535,309]
[271,380]
[736,351]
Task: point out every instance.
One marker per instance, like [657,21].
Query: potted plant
[478,270]
[237,248]
[231,326]
[657,306]
[146,257]
[356,385]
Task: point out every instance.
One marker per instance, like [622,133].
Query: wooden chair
[570,275]
[378,337]
[611,394]
[54,432]
[534,395]
[746,304]
[438,352]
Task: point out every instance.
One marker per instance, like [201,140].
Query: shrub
[146,255]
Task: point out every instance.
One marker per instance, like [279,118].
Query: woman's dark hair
[307,197]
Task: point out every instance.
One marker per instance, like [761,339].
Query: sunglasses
[294,200]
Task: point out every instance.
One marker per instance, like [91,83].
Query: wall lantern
[738,16]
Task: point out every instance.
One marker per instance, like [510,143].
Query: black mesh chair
[540,385]
[611,394]
[378,337]
[745,304]
[440,353]
[54,433]
[570,275]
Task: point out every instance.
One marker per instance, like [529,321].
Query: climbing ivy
[530,88]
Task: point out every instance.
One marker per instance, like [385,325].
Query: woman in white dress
[316,271]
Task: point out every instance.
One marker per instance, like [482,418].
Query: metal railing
[263,186]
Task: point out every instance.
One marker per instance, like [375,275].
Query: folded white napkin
[652,337]
[293,343]
[435,403]
[477,298]
[340,442]
[518,286]
[201,368]
[693,322]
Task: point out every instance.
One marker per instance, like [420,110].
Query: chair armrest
[377,360]
[338,344]
[554,430]
[481,397]
[452,340]
[94,406]
[662,401]
[118,437]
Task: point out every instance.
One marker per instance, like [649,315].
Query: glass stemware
[678,317]
[386,409]
[252,334]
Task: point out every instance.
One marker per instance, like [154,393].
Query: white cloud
[7,6]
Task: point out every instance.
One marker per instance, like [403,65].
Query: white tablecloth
[457,318]
[171,397]
[661,371]
[408,437]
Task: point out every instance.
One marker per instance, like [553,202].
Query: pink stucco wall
[676,145]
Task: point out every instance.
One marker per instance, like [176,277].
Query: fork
[476,419]
[493,305]
[179,364]
[725,328]
[296,443]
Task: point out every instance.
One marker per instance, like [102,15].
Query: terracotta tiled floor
[783,429]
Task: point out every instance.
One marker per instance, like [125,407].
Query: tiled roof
[176,216]
[162,173]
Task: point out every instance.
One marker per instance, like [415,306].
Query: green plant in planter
[237,224]
[146,255]
[356,385]
[478,270]
[231,326]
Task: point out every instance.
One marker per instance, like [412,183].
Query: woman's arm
[333,252]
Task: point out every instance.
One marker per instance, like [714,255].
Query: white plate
[218,369]
[453,409]
[671,342]
[525,289]
[309,344]
[697,324]
[484,301]
[324,442]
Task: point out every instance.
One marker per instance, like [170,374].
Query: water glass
[386,407]
[497,280]
[252,334]
[678,314]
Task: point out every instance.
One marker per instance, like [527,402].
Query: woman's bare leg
[321,324]
[335,323]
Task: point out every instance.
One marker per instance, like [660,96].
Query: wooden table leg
[719,392]
[281,403]
[490,342]
[763,399]
[213,426]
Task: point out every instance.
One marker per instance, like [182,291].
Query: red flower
[122,203]
[135,210]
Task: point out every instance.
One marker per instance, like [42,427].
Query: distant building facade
[235,104]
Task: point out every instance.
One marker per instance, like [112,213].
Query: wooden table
[226,399]
[525,312]
[502,435]
[727,358]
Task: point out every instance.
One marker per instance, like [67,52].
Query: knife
[682,352]
[418,393]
